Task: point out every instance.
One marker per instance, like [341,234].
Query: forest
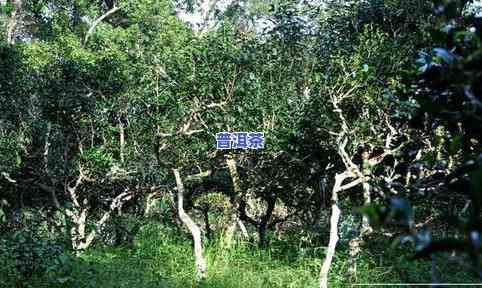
[240,143]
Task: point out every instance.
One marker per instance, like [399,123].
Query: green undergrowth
[162,257]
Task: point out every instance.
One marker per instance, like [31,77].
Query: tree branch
[12,24]
[97,22]
[52,192]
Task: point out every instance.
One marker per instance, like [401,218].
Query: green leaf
[455,145]
[6,8]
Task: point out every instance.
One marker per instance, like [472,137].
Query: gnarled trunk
[234,218]
[264,220]
[334,219]
[201,266]
[330,253]
[81,240]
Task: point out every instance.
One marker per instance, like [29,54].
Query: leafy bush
[27,258]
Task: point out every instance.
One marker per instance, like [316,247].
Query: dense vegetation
[371,170]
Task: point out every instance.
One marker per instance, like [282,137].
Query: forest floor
[160,258]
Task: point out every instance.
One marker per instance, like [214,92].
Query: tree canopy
[371,115]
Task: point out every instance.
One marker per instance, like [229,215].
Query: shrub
[27,259]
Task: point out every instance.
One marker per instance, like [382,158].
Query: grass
[162,257]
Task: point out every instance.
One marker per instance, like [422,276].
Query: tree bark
[264,220]
[150,200]
[51,191]
[325,268]
[201,266]
[243,229]
[80,239]
[207,224]
[367,198]
[334,219]
[234,218]
[365,229]
[13,22]
[121,141]
[353,251]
